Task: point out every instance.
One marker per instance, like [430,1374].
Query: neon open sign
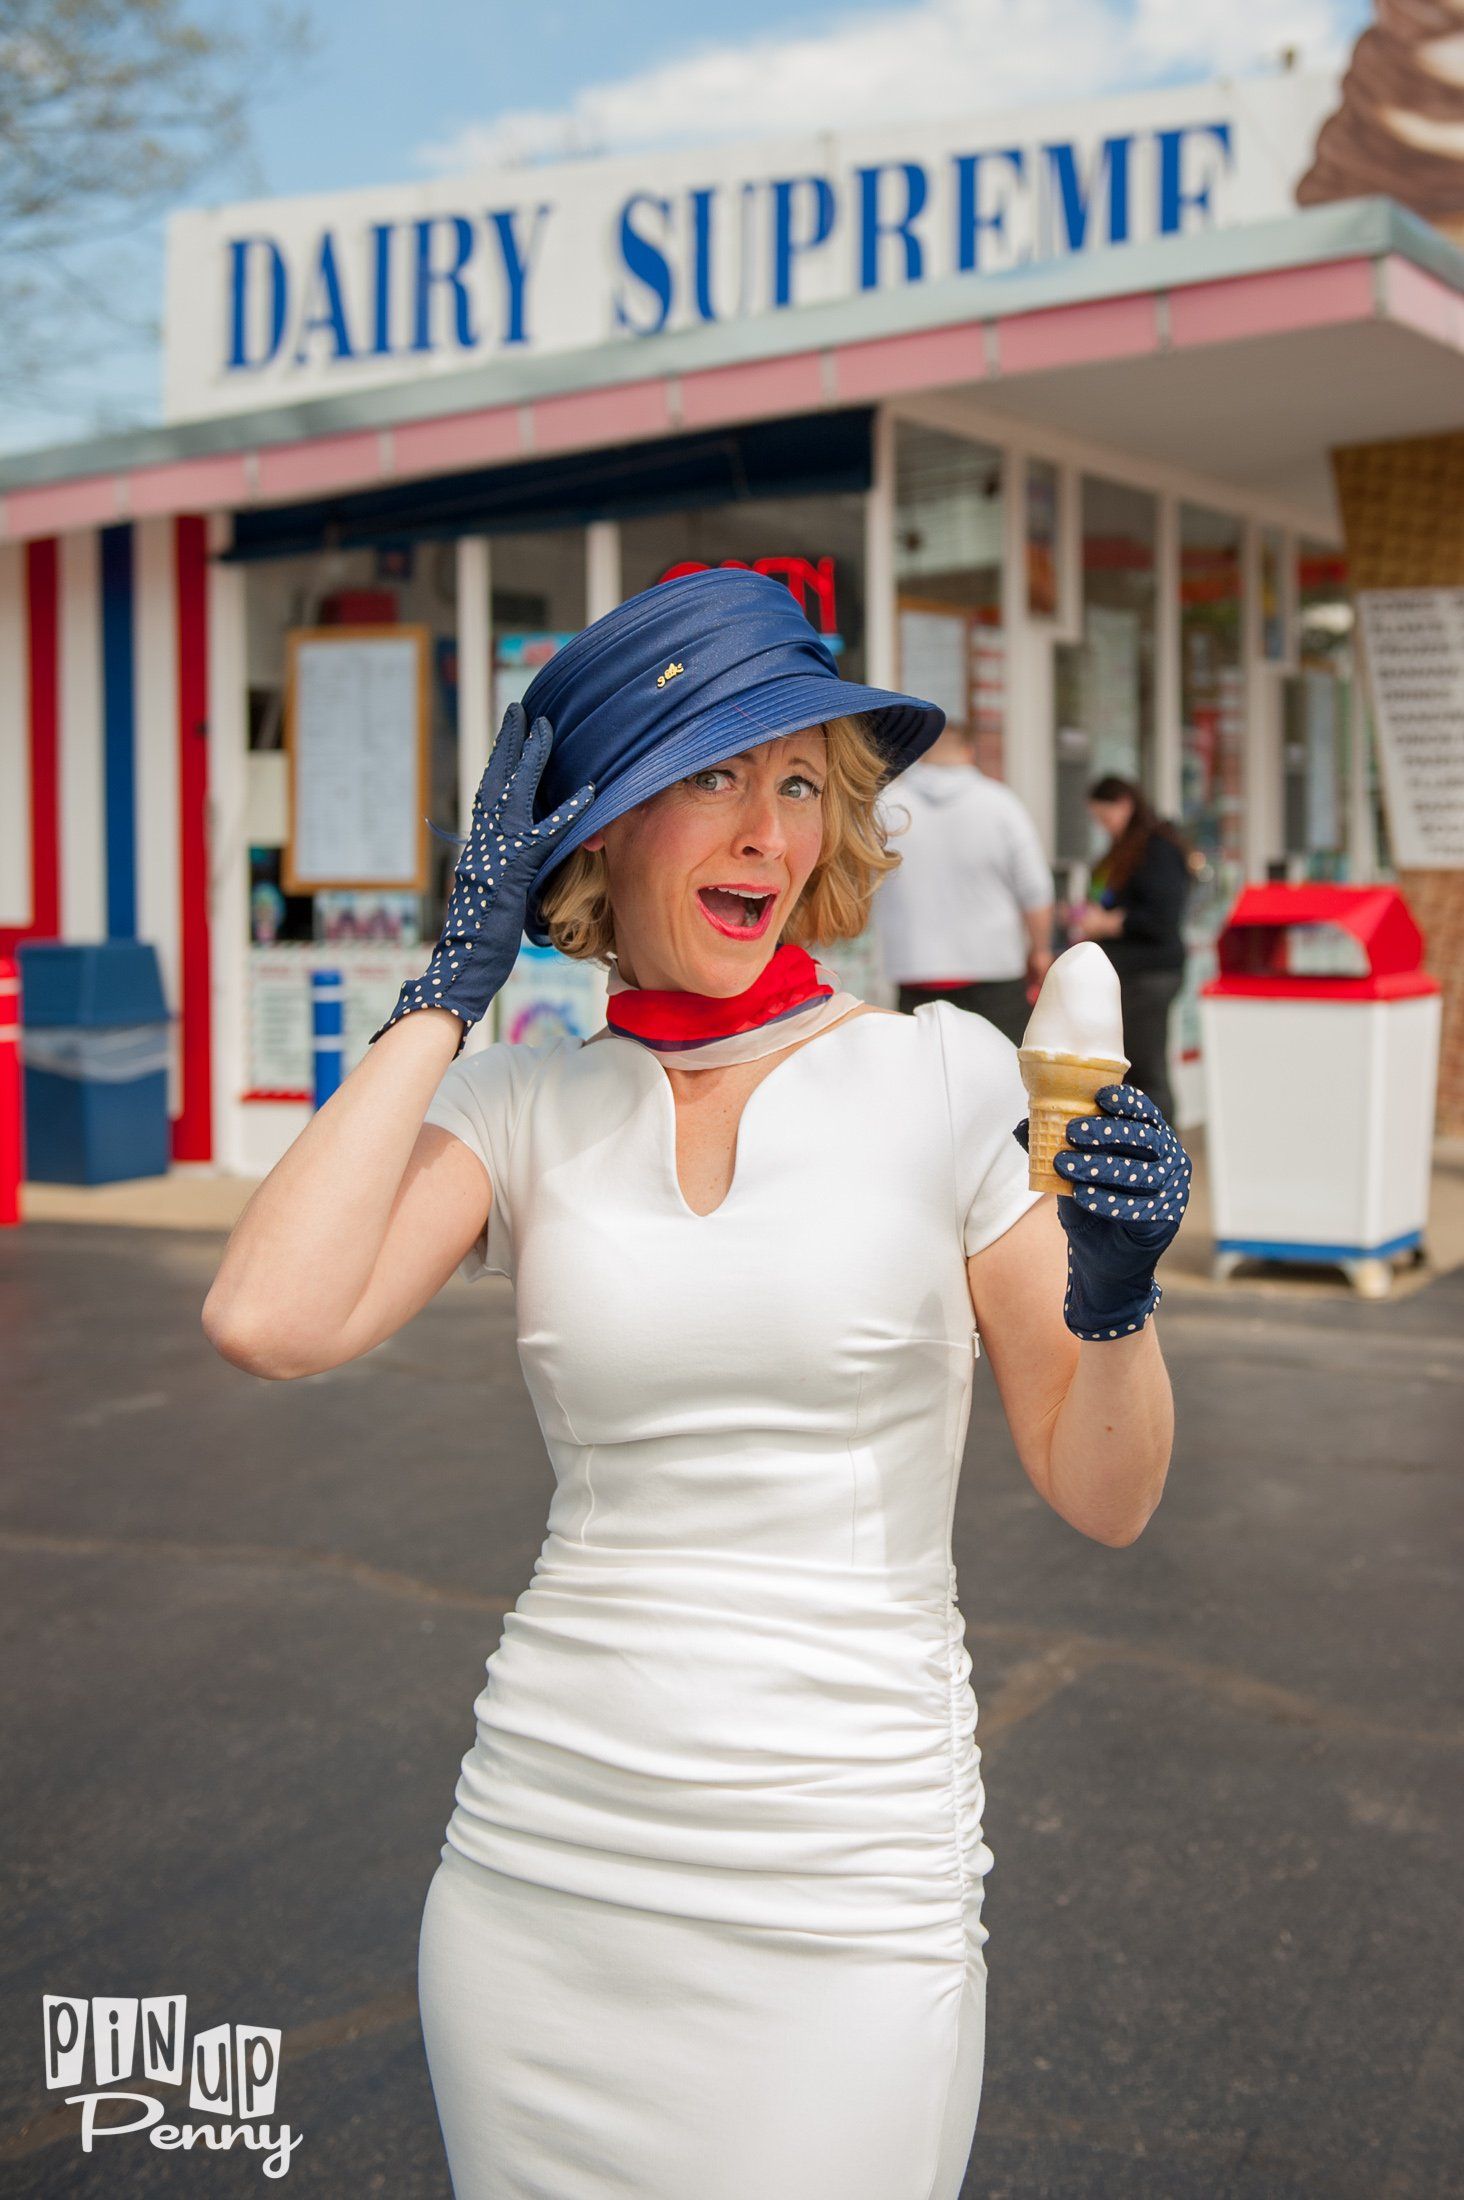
[810,580]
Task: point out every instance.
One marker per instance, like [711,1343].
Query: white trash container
[1320,1042]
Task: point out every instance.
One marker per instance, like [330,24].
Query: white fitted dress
[707,1924]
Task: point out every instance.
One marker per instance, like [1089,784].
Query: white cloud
[931,59]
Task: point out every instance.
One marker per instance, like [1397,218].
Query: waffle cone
[1059,1086]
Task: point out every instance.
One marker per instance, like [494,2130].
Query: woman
[1143,883]
[708,1915]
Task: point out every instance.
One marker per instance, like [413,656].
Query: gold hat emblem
[670,673]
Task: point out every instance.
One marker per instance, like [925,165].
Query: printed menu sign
[356,729]
[1413,643]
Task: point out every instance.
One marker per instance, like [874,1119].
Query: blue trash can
[94,1044]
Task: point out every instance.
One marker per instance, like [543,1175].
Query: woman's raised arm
[1068,1329]
[1092,1423]
[365,1217]
[359,1224]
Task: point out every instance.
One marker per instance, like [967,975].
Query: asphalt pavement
[1223,1767]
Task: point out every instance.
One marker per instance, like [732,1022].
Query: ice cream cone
[1059,1086]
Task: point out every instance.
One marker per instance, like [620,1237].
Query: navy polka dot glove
[484,925]
[1131,1180]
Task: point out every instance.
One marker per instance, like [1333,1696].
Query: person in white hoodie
[967,917]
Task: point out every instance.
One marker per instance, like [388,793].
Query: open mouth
[737,913]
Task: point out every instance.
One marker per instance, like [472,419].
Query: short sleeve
[479,1101]
[987,1101]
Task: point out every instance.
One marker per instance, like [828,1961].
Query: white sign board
[281,1048]
[933,659]
[1413,650]
[355,727]
[288,298]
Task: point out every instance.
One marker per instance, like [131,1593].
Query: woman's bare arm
[1093,1423]
[359,1224]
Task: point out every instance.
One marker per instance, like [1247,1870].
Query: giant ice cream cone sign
[1399,130]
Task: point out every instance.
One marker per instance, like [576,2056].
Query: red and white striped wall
[104,649]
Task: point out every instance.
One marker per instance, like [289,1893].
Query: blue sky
[397,91]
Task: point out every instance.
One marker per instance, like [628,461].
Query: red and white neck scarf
[791,999]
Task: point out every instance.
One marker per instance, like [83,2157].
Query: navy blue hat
[684,675]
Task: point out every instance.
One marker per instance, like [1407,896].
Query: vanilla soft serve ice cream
[1078,1010]
[1072,1046]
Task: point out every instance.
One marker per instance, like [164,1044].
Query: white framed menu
[356,723]
[1413,653]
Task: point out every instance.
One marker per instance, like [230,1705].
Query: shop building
[1033,418]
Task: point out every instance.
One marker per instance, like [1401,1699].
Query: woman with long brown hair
[1136,912]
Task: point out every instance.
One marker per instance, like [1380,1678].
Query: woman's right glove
[483,928]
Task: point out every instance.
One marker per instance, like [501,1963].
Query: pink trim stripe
[1069,336]
[926,361]
[1421,301]
[461,440]
[587,417]
[752,390]
[1271,305]
[331,462]
[205,484]
[63,505]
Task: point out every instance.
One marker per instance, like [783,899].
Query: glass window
[813,544]
[1105,683]
[1320,723]
[1042,528]
[1212,710]
[1273,597]
[538,602]
[950,646]
[1212,742]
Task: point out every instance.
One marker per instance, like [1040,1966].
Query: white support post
[475,668]
[880,653]
[602,568]
[1168,789]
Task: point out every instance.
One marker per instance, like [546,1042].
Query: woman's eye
[717,771]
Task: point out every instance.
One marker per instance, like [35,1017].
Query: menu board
[1413,647]
[933,659]
[356,733]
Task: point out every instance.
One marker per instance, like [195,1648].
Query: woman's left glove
[483,929]
[1131,1180]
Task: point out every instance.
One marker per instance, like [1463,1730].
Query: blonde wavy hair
[834,904]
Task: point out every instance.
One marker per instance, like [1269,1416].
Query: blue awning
[817,453]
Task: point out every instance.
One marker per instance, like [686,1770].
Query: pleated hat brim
[739,664]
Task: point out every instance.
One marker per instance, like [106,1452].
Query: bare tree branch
[111,111]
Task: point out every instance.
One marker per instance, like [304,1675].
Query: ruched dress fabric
[707,1923]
